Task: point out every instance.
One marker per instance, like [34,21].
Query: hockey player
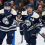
[19,19]
[7,23]
[30,23]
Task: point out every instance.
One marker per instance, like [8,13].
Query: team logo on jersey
[32,19]
[28,22]
[5,21]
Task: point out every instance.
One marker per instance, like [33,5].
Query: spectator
[2,4]
[25,2]
[28,1]
[42,3]
[44,6]
[39,10]
[15,7]
[31,2]
[20,7]
[17,1]
[35,2]
[38,2]
[4,1]
[24,8]
[12,3]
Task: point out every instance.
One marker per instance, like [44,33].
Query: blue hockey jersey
[32,20]
[29,25]
[34,17]
[7,22]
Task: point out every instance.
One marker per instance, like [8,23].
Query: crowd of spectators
[39,5]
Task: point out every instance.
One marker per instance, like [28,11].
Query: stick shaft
[22,39]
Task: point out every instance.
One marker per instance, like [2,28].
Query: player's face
[29,9]
[19,16]
[7,7]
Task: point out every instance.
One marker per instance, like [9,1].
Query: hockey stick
[41,35]
[36,27]
[22,39]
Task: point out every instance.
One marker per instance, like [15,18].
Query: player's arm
[1,14]
[39,24]
[14,14]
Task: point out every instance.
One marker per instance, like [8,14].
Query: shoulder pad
[43,13]
[2,11]
[24,12]
[13,12]
[35,15]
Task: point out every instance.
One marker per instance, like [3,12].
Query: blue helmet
[7,4]
[30,5]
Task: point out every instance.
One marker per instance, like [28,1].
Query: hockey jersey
[7,22]
[22,18]
[32,20]
[43,18]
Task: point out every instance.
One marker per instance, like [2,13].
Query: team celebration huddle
[29,22]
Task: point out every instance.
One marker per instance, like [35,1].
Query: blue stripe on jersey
[13,27]
[4,28]
[13,40]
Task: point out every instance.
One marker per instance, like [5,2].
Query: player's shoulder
[1,11]
[13,12]
[24,12]
[35,15]
[43,13]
